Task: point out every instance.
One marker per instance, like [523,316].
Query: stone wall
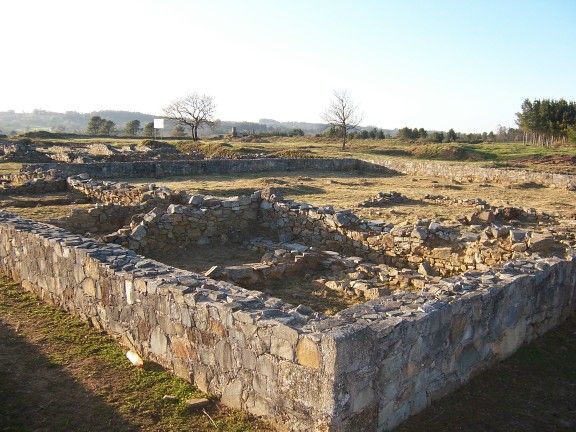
[446,250]
[239,344]
[101,219]
[418,253]
[108,192]
[203,221]
[367,368]
[35,182]
[466,172]
[159,169]
[388,369]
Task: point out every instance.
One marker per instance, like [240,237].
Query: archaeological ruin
[410,310]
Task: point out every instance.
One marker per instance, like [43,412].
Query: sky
[439,64]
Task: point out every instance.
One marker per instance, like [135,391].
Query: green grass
[71,345]
[511,151]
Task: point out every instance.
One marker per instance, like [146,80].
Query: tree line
[422,135]
[103,127]
[544,122]
[547,121]
[99,126]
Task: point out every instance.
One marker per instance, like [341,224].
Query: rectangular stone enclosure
[367,369]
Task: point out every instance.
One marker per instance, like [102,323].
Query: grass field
[330,147]
[44,207]
[9,167]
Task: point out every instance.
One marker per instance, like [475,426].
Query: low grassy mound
[455,152]
[155,144]
[293,153]
[43,134]
[219,150]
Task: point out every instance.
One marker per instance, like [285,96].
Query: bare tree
[193,111]
[342,114]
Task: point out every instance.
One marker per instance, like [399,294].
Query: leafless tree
[342,114]
[193,111]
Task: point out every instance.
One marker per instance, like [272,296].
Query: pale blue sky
[432,64]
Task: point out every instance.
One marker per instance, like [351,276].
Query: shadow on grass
[528,185]
[223,192]
[37,394]
[449,186]
[406,203]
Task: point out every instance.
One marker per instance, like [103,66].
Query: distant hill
[70,121]
[75,122]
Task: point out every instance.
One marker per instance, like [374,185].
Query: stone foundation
[473,173]
[249,349]
[36,182]
[367,368]
[160,169]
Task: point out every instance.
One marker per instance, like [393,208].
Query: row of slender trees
[547,121]
[422,135]
[373,133]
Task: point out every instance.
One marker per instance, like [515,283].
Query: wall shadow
[37,394]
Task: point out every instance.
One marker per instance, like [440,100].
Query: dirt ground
[294,288]
[221,255]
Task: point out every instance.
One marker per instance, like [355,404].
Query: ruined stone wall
[160,169]
[392,365]
[239,344]
[367,368]
[121,193]
[101,219]
[466,172]
[446,251]
[205,220]
[32,183]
